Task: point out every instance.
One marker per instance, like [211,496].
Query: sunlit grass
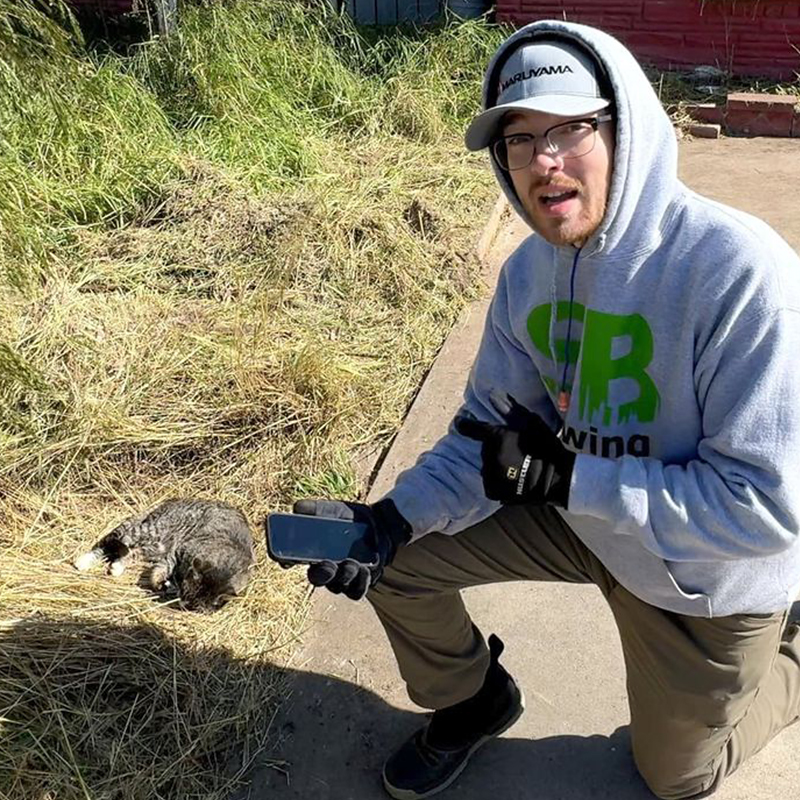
[226,261]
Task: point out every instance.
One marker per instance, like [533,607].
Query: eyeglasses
[571,139]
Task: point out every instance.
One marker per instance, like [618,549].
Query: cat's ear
[197,567]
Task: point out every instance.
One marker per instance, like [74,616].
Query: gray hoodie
[685,404]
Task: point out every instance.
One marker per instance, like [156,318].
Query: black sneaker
[436,755]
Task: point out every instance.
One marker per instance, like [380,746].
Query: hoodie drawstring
[563,394]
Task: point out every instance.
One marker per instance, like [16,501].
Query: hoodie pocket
[699,599]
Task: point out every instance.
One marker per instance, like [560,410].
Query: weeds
[226,262]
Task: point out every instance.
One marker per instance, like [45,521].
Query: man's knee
[669,783]
[381,594]
[677,770]
[397,587]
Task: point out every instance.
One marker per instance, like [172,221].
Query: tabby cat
[198,551]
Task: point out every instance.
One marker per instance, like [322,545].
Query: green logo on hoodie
[603,334]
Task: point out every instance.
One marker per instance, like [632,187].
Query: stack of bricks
[746,114]
[744,37]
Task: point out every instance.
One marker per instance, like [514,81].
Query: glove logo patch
[512,473]
[523,473]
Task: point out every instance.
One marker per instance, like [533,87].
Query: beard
[574,228]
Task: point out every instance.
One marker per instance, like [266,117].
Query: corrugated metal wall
[745,37]
[388,12]
[104,6]
[366,12]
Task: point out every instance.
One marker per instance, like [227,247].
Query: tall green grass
[288,101]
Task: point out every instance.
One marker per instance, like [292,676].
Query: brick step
[751,114]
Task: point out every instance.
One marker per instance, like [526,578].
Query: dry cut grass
[220,345]
[106,695]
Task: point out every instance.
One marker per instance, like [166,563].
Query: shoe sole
[410,794]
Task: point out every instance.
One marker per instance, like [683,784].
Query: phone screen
[296,537]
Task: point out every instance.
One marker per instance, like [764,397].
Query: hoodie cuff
[608,489]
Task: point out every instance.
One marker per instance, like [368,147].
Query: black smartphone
[304,539]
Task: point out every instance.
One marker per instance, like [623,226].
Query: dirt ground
[761,176]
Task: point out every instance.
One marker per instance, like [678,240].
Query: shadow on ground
[123,711]
[334,737]
[84,706]
[554,768]
[332,718]
[87,705]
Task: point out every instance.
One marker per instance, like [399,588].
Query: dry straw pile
[223,273]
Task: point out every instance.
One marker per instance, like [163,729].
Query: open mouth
[555,199]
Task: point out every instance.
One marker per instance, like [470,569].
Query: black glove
[350,577]
[523,461]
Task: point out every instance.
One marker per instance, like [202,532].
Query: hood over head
[644,174]
[549,76]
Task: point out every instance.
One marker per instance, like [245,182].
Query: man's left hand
[389,529]
[523,461]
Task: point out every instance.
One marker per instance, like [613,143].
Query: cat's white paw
[86,561]
[117,568]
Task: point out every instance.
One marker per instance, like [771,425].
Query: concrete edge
[491,228]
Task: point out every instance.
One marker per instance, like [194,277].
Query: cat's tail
[113,548]
[88,560]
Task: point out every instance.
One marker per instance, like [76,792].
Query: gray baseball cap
[547,76]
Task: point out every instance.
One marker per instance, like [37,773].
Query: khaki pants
[704,694]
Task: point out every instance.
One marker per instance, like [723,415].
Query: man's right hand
[389,529]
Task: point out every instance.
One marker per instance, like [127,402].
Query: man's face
[582,183]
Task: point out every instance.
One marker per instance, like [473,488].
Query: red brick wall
[746,37]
